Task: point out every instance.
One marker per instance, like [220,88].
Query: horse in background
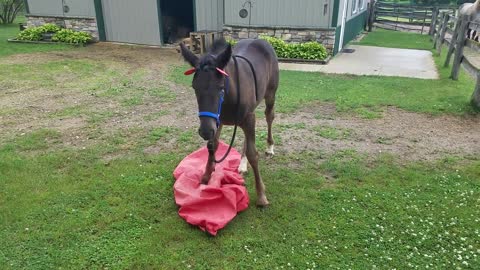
[473,10]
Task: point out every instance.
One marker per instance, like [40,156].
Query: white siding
[81,8]
[46,7]
[209,14]
[77,8]
[282,13]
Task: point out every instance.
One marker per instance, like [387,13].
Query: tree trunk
[9,10]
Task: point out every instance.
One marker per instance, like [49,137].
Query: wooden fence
[452,31]
[406,17]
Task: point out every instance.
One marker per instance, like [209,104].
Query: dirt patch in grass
[412,136]
[119,95]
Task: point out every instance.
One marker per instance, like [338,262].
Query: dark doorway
[177,20]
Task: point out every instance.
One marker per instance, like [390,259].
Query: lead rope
[253,72]
[210,147]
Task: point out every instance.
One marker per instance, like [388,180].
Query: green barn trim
[100,20]
[336,7]
[353,27]
[160,26]
[194,3]
[27,10]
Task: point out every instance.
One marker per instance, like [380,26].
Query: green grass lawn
[11,31]
[396,39]
[70,209]
[63,207]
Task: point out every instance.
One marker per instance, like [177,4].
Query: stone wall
[324,36]
[78,24]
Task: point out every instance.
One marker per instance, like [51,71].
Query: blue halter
[216,116]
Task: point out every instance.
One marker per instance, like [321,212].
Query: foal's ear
[190,57]
[224,57]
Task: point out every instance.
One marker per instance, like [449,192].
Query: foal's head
[208,82]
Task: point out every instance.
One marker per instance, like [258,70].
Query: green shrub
[232,42]
[32,34]
[50,28]
[309,50]
[35,33]
[73,37]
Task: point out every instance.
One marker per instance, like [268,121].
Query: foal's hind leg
[270,115]
[252,155]
[242,168]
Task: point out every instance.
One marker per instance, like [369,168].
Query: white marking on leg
[242,168]
[269,150]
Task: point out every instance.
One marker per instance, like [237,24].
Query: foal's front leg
[212,148]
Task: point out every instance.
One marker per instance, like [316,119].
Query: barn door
[132,21]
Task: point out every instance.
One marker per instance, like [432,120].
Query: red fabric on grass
[210,206]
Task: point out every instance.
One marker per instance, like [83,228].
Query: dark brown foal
[253,76]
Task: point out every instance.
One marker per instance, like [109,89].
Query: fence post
[439,30]
[396,22]
[443,32]
[461,38]
[371,16]
[424,19]
[433,21]
[451,47]
[476,94]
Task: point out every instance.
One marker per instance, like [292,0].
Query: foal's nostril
[206,134]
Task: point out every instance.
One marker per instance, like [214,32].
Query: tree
[9,10]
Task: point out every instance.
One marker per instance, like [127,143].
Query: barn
[159,22]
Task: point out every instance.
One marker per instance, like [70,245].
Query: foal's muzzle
[208,128]
[206,134]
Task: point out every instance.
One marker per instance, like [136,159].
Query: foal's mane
[218,46]
[216,55]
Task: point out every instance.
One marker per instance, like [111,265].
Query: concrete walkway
[368,60]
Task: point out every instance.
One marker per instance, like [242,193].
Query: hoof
[262,201]
[205,180]
[269,155]
[269,152]
[242,168]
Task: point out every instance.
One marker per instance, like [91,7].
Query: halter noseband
[224,92]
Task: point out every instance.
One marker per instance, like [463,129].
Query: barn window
[354,6]
[361,4]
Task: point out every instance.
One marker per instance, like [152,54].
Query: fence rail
[407,17]
[453,32]
[442,25]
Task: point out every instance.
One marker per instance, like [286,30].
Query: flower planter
[22,26]
[305,61]
[47,36]
[45,42]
